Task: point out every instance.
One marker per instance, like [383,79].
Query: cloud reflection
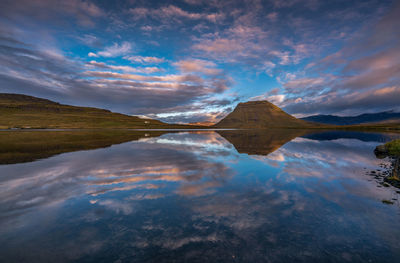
[145,165]
[193,196]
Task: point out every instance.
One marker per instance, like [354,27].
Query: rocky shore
[391,175]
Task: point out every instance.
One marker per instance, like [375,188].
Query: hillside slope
[22,111]
[259,115]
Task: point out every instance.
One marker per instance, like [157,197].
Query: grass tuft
[393,147]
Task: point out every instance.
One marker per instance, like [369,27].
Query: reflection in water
[262,143]
[27,146]
[197,197]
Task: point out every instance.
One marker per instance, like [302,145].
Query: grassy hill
[22,111]
[259,115]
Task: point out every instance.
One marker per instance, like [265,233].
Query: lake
[202,196]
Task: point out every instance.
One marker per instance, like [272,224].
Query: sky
[193,61]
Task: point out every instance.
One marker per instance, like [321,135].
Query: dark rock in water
[381,151]
[393,182]
[387,202]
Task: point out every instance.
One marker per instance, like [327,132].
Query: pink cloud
[221,45]
[303,83]
[146,70]
[171,11]
[272,16]
[198,65]
[165,78]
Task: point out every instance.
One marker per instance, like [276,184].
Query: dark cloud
[363,76]
[84,12]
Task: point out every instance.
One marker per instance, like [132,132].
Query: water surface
[224,196]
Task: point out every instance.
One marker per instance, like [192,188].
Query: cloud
[206,111]
[219,46]
[245,43]
[271,96]
[373,100]
[173,12]
[276,99]
[303,84]
[285,57]
[312,4]
[165,78]
[117,206]
[84,12]
[54,76]
[197,66]
[144,60]
[268,66]
[194,2]
[116,50]
[146,70]
[363,76]
[272,16]
[90,40]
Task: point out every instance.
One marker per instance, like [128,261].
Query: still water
[226,196]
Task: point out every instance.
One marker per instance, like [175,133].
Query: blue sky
[194,60]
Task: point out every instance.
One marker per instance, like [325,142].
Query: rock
[387,202]
[381,151]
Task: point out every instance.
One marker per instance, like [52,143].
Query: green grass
[27,146]
[393,148]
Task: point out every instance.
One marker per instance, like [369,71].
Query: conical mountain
[259,115]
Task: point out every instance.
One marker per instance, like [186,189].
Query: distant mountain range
[386,116]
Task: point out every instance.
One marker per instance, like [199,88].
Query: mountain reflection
[205,196]
[260,142]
